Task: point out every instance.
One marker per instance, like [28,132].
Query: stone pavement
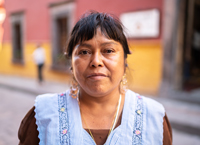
[30,85]
[184,116]
[14,105]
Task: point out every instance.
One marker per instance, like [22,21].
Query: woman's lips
[96,76]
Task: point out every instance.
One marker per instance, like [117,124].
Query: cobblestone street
[13,107]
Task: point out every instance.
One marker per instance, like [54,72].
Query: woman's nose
[96,60]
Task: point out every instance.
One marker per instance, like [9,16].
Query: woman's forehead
[100,36]
[99,40]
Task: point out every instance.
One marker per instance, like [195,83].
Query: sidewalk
[30,85]
[184,116]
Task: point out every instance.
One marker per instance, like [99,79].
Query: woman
[97,109]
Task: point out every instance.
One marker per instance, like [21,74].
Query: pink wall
[37,15]
[37,18]
[118,6]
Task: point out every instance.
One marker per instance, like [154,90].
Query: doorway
[191,53]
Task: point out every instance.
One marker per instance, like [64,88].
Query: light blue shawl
[59,121]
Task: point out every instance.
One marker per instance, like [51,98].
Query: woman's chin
[98,92]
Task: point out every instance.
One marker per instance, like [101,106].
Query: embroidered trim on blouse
[63,119]
[137,132]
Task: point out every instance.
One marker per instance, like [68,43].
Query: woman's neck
[101,105]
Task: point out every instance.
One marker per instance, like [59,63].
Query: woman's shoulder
[147,101]
[28,129]
[48,102]
[49,98]
[148,114]
[46,96]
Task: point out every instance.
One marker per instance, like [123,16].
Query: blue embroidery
[63,119]
[137,132]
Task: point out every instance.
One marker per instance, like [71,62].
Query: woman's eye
[108,51]
[84,52]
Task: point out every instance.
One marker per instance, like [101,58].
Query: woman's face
[98,65]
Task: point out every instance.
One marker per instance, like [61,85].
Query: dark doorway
[191,55]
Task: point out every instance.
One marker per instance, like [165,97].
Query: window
[17,37]
[62,32]
[62,16]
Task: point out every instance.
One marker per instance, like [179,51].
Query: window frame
[61,10]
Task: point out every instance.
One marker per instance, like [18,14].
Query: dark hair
[86,28]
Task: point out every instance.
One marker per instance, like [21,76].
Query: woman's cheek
[77,61]
[79,66]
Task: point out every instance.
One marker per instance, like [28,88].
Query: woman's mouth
[96,76]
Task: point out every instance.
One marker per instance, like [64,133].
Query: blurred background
[163,35]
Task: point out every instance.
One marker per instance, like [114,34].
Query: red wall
[37,18]
[37,15]
[118,6]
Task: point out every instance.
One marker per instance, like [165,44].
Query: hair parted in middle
[86,28]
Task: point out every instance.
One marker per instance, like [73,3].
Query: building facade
[181,46]
[50,21]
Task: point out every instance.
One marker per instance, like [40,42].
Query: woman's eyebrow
[85,45]
[108,43]
[90,46]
